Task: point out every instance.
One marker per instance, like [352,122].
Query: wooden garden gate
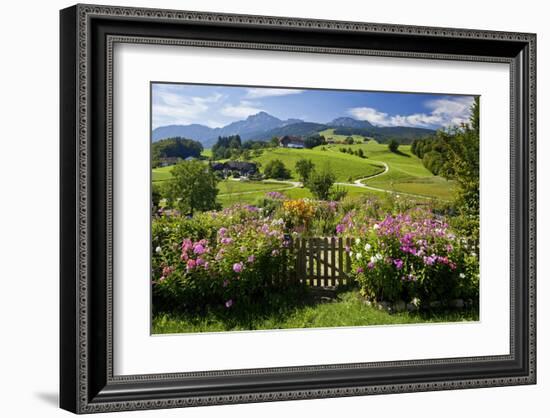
[322,262]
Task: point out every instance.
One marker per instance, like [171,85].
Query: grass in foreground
[300,312]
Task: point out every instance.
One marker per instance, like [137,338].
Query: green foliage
[226,147]
[320,183]
[225,259]
[338,193]
[349,140]
[413,255]
[304,167]
[314,141]
[176,147]
[454,154]
[276,169]
[192,187]
[393,146]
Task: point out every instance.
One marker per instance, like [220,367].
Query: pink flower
[200,262]
[226,240]
[222,231]
[251,258]
[166,271]
[398,264]
[191,264]
[360,270]
[199,249]
[225,283]
[370,265]
[229,303]
[238,267]
[206,265]
[275,253]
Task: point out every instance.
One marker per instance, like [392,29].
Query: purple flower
[199,249]
[430,260]
[200,262]
[251,258]
[191,264]
[222,231]
[238,267]
[398,264]
[229,303]
[226,240]
[339,228]
[206,265]
[275,253]
[225,283]
[360,270]
[370,265]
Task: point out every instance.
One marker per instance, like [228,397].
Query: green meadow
[405,172]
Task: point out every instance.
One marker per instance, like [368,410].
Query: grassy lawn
[406,172]
[344,166]
[347,310]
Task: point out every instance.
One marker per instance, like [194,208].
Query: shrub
[393,145]
[413,255]
[276,169]
[199,264]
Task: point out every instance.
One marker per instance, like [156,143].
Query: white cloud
[172,107]
[443,112]
[242,110]
[256,93]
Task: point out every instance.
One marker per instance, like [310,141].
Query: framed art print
[262,208]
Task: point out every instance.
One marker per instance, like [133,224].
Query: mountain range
[263,126]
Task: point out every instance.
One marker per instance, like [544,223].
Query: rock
[411,307]
[456,303]
[399,306]
[384,306]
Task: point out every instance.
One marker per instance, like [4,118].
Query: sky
[217,106]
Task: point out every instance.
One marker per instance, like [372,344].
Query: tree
[192,187]
[360,153]
[393,145]
[320,183]
[274,142]
[349,140]
[304,168]
[176,147]
[276,169]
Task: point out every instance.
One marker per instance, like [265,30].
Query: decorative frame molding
[87,381]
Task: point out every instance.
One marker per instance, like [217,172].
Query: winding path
[356,183]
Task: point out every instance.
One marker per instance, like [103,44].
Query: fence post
[311,261]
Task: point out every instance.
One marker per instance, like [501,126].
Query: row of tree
[176,147]
[454,154]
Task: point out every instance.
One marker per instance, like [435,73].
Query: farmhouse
[166,161]
[288,141]
[244,168]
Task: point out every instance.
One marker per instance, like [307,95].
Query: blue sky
[216,106]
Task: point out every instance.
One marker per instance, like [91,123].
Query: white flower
[373,259]
[358,256]
[367,247]
[462,275]
[474,255]
[357,241]
[378,256]
[375,226]
[158,250]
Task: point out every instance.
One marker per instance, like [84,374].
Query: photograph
[291,208]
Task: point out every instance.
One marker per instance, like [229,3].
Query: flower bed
[412,256]
[218,258]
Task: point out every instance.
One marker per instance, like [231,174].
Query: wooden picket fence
[320,262]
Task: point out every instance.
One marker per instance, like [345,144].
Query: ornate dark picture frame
[88,34]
